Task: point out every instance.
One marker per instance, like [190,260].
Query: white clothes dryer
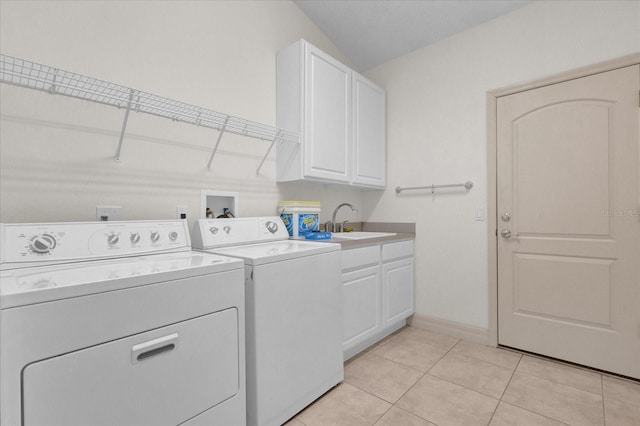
[293,313]
[118,323]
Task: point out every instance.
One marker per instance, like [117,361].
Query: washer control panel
[210,233]
[82,240]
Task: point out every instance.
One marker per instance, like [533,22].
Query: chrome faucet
[331,226]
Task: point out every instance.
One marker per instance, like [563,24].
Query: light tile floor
[421,378]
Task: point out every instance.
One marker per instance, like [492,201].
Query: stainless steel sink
[360,235]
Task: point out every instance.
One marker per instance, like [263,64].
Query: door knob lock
[506,233]
[506,217]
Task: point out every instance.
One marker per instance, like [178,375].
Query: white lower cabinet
[378,293]
[397,289]
[362,305]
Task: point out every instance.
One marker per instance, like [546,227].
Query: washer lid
[27,286]
[257,254]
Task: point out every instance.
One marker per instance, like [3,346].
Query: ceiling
[371,32]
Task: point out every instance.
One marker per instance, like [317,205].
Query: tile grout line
[604,410]
[517,406]
[474,390]
[471,389]
[440,359]
[523,408]
[383,414]
[484,360]
[397,333]
[505,390]
[569,364]
[393,404]
[373,395]
[381,399]
[427,372]
[615,398]
[536,413]
[561,383]
[400,397]
[423,375]
[394,336]
[398,363]
[422,343]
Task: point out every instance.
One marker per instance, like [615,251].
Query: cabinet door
[361,306]
[397,291]
[327,117]
[369,116]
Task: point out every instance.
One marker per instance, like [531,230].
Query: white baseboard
[451,328]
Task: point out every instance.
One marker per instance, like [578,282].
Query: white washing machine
[118,323]
[293,313]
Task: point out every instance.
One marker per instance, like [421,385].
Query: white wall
[56,153]
[436,130]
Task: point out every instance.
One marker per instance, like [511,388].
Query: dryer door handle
[152,348]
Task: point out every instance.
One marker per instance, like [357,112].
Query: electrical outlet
[181,212]
[104,213]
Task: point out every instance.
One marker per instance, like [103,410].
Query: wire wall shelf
[23,73]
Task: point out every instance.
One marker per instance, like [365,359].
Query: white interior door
[569,196]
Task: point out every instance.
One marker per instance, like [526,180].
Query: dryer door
[161,377]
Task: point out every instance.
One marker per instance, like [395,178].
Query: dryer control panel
[56,242]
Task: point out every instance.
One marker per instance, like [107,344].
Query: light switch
[479,214]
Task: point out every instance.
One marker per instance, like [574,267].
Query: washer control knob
[226,229]
[272,227]
[113,239]
[213,230]
[173,235]
[155,236]
[43,244]
[134,238]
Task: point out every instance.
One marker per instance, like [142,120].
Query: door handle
[506,233]
[153,348]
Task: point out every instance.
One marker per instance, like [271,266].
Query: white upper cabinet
[327,117]
[369,117]
[339,114]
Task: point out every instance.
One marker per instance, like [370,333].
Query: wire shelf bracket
[215,147]
[124,126]
[24,73]
[273,142]
[467,185]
